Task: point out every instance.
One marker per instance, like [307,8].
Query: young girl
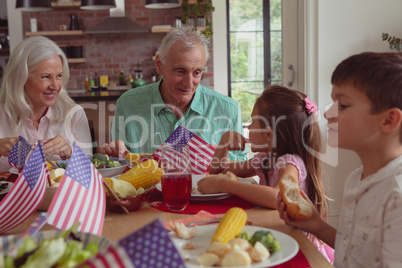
[285,135]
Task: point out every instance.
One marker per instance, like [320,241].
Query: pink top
[281,161]
[74,128]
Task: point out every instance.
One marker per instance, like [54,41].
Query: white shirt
[75,130]
[370,227]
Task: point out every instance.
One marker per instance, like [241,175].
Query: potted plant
[394,42]
[198,8]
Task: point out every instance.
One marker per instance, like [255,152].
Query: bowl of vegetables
[107,166]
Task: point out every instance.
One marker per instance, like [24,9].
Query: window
[254,47]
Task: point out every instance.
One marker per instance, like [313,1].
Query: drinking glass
[176,176]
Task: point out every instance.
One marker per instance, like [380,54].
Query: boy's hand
[311,225]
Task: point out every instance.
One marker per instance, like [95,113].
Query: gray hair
[188,36]
[23,60]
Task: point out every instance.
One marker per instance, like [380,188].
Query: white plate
[289,246]
[196,195]
[10,185]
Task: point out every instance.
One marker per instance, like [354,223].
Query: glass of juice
[176,176]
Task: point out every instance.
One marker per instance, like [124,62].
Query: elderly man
[146,116]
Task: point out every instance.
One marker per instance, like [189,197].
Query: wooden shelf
[165,29]
[55,33]
[3,28]
[79,60]
[74,4]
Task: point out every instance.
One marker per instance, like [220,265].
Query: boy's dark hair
[378,75]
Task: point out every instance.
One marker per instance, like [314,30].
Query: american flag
[150,246]
[80,196]
[200,151]
[19,153]
[27,192]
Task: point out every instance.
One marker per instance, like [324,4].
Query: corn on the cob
[135,159]
[49,166]
[143,175]
[231,225]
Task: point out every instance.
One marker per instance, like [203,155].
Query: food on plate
[182,231]
[65,250]
[259,252]
[208,259]
[135,159]
[296,206]
[189,246]
[3,186]
[122,188]
[55,176]
[236,257]
[231,225]
[266,238]
[143,175]
[227,175]
[102,161]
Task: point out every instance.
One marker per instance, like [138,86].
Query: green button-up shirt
[143,121]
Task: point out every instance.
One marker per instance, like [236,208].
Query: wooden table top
[117,226]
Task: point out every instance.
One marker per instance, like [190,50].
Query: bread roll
[296,206]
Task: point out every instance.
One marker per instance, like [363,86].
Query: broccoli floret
[267,239]
[111,163]
[245,235]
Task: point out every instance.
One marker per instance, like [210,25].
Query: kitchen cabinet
[60,33]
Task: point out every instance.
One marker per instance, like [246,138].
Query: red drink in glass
[176,190]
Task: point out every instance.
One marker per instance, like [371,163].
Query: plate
[289,246]
[196,195]
[113,171]
[10,185]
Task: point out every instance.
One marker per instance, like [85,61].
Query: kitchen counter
[85,95]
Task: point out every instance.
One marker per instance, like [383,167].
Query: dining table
[118,225]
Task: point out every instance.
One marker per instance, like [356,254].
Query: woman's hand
[6,144]
[114,149]
[58,146]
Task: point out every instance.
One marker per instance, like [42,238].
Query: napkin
[149,246]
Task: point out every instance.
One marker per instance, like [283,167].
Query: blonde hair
[23,60]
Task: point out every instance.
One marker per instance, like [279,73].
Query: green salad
[102,161]
[65,250]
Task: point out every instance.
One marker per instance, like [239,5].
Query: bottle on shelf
[138,82]
[122,79]
[86,82]
[96,80]
[91,80]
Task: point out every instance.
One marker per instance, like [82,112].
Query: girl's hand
[233,141]
[210,185]
[114,149]
[58,146]
[311,225]
[6,144]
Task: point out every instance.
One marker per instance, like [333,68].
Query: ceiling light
[161,4]
[33,5]
[97,4]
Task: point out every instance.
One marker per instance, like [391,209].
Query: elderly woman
[35,105]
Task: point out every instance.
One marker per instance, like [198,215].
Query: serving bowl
[132,203]
[112,171]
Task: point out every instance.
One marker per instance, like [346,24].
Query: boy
[367,119]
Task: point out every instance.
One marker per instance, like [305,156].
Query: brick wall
[107,54]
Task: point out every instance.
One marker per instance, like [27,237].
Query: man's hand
[114,149]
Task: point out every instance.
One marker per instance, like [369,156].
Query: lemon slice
[56,174]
